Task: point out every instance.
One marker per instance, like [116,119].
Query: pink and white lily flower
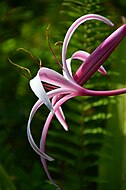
[66,86]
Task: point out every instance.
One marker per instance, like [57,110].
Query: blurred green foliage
[23,24]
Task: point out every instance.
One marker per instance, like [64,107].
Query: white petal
[39,91]
[68,61]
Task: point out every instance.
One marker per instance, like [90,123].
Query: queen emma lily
[66,86]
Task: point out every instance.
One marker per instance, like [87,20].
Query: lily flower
[64,87]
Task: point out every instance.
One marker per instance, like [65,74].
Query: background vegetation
[92,155]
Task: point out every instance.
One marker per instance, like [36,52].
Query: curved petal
[59,113]
[68,62]
[70,32]
[45,131]
[31,141]
[82,56]
[42,145]
[36,106]
[60,117]
[50,76]
[102,70]
[39,90]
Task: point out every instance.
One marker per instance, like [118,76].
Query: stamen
[40,63]
[59,44]
[47,37]
[22,69]
[33,58]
